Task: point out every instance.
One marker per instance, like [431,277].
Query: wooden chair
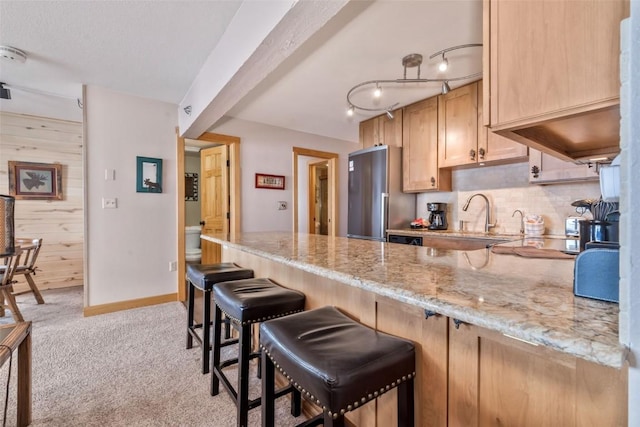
[27,265]
[7,300]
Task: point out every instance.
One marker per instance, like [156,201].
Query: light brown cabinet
[551,73]
[420,169]
[497,380]
[547,169]
[463,139]
[382,130]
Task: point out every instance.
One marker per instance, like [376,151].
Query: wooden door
[214,169]
[458,127]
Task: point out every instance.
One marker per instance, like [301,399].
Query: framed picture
[35,180]
[191,186]
[149,175]
[274,182]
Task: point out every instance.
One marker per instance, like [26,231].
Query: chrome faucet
[521,219]
[487,224]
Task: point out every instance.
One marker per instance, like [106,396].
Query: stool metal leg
[268,392]
[190,304]
[206,330]
[405,404]
[217,343]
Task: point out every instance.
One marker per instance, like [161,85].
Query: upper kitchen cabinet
[547,169]
[551,73]
[463,139]
[420,171]
[382,130]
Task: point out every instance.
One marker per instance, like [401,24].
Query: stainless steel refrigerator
[376,200]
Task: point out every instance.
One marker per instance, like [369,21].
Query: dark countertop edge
[612,356]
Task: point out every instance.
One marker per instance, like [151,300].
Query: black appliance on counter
[405,240]
[437,216]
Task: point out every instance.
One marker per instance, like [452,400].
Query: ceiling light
[4,92]
[12,54]
[444,64]
[377,93]
[412,60]
[390,115]
[350,111]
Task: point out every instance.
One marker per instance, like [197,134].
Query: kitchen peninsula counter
[526,298]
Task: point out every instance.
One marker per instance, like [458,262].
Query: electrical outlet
[109,203]
[173,266]
[282,206]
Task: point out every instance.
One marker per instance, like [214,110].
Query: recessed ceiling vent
[12,54]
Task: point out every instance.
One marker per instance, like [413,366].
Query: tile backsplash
[507,188]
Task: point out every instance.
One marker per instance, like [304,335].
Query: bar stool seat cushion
[340,363]
[204,276]
[256,300]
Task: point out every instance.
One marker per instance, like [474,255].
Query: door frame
[234,195]
[332,159]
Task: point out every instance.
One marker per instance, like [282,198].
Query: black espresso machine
[437,216]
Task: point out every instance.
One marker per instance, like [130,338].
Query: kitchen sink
[460,243]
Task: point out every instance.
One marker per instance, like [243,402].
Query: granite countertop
[527,298]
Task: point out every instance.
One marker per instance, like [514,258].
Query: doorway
[210,251]
[318,197]
[331,184]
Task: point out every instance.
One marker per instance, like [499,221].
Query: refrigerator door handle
[384,202]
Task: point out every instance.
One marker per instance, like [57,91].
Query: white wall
[630,204]
[129,248]
[269,150]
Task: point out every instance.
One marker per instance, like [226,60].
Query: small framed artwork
[35,180]
[274,182]
[149,175]
[191,187]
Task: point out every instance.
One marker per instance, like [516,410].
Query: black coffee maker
[437,216]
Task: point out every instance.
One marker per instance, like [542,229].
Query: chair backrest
[10,265]
[30,250]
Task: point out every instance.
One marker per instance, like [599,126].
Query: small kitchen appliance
[437,216]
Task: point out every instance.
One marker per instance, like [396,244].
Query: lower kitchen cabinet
[495,380]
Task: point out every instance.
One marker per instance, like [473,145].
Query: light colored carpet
[128,368]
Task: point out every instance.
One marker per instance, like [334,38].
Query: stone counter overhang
[526,298]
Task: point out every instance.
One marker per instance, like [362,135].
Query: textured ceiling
[155,49]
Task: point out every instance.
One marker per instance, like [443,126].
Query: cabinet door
[546,169]
[390,130]
[495,380]
[552,56]
[430,386]
[368,133]
[458,126]
[420,170]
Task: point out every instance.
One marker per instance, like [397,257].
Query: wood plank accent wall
[60,223]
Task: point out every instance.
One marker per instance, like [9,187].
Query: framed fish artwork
[29,180]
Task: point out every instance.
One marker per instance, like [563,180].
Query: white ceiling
[155,49]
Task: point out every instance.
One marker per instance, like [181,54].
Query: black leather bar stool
[203,277]
[247,302]
[337,363]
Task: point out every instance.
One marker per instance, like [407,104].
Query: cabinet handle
[457,322]
[535,171]
[433,182]
[472,154]
[481,153]
[429,313]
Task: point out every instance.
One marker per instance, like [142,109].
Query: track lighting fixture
[4,92]
[187,110]
[413,60]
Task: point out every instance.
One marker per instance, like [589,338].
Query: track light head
[350,111]
[445,87]
[444,64]
[390,114]
[4,92]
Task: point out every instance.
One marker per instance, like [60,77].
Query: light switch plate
[109,203]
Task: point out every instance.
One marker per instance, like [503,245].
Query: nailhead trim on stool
[246,302]
[336,363]
[204,277]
